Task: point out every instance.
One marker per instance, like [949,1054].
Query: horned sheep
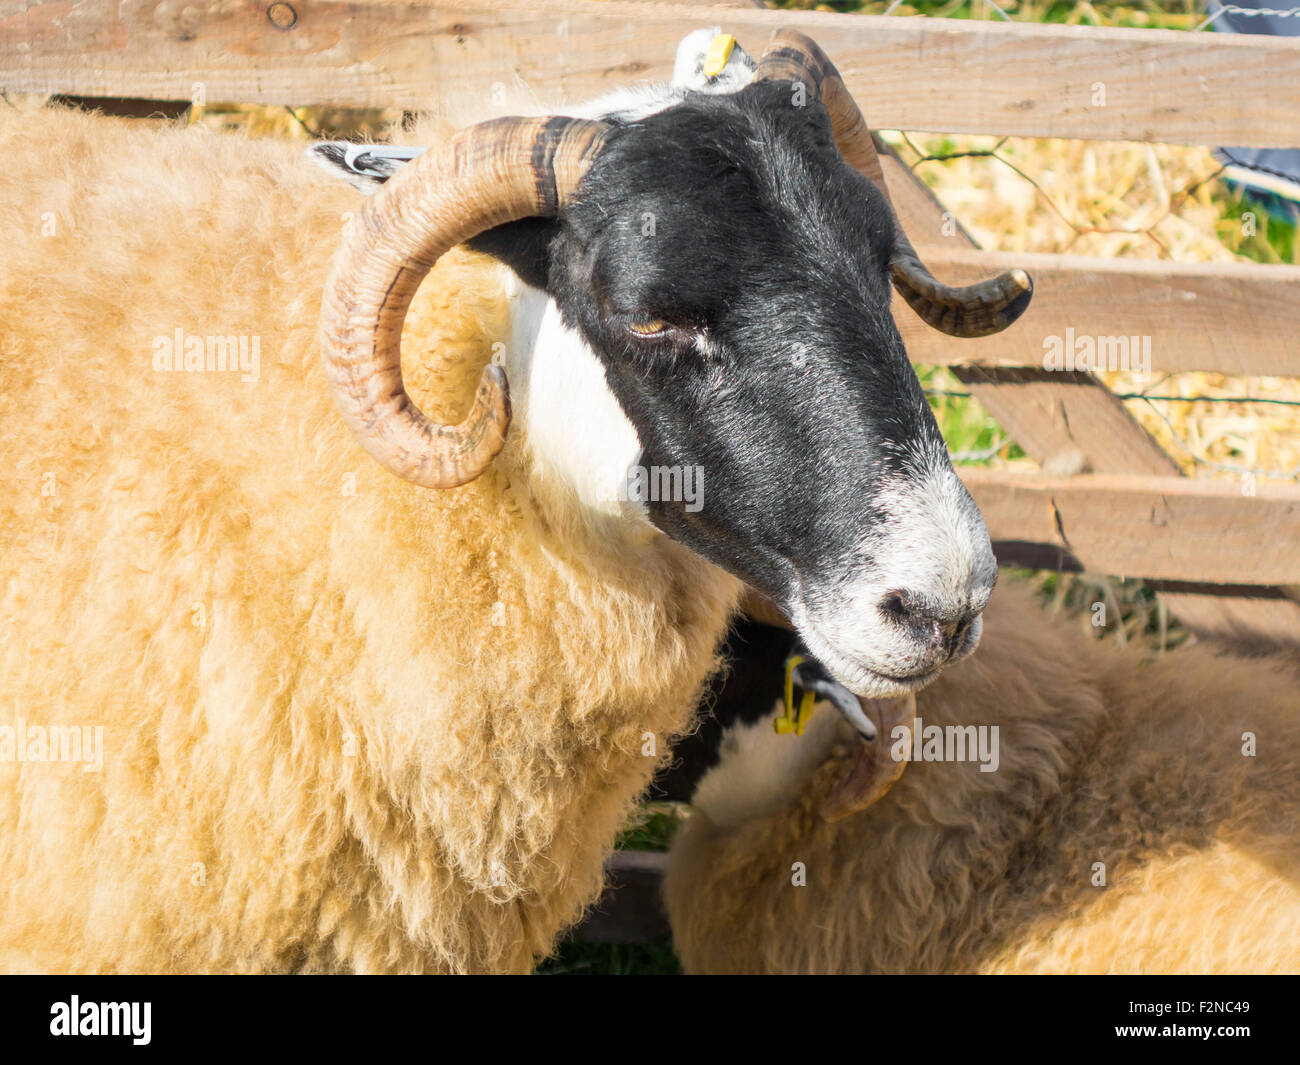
[349,723]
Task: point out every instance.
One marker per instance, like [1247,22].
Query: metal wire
[1249,12]
[1079,230]
[1175,203]
[1201,460]
[984,454]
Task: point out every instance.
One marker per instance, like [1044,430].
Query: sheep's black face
[731,274]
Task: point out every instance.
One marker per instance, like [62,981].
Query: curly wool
[1105,758]
[349,724]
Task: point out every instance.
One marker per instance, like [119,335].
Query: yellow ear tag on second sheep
[791,720]
[718,54]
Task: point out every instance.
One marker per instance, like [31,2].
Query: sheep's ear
[524,246]
[367,166]
[697,65]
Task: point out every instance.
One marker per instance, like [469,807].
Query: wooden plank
[909,73]
[1252,622]
[1234,318]
[1070,423]
[1154,527]
[130,107]
[1035,556]
[630,909]
[1066,422]
[925,218]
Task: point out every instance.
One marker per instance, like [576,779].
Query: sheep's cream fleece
[1144,817]
[347,723]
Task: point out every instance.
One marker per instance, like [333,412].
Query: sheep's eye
[651,327]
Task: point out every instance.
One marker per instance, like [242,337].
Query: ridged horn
[976,310]
[483,176]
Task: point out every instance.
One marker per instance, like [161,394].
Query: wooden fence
[1224,554]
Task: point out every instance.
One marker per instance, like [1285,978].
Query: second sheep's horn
[483,176]
[981,309]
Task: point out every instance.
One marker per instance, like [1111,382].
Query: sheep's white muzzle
[911,606]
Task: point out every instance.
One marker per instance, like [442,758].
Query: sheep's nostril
[941,630]
[908,609]
[894,604]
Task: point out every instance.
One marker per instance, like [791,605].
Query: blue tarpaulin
[1270,175]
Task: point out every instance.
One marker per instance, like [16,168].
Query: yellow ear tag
[719,53]
[790,719]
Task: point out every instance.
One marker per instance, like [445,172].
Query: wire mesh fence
[1114,200]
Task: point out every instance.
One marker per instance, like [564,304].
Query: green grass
[613,959]
[1272,240]
[652,829]
[969,429]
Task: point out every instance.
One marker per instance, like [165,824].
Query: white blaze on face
[932,545]
[576,429]
[558,392]
[575,426]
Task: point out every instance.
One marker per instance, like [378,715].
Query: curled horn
[976,310]
[484,176]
